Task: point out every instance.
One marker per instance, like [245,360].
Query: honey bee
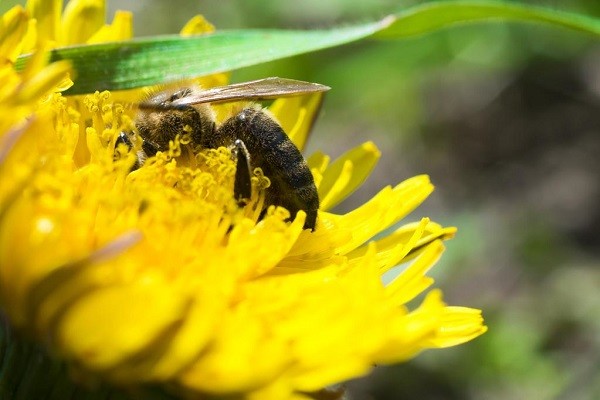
[254,137]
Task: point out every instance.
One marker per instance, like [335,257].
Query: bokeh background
[505,118]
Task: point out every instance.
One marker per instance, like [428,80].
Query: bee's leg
[242,187]
[149,148]
[124,139]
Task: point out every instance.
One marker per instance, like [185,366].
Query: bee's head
[160,121]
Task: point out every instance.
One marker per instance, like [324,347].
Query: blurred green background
[505,118]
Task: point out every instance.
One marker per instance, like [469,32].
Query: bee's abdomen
[292,183]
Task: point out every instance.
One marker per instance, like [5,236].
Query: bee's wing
[262,89]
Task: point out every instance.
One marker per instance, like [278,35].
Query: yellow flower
[157,277]
[82,21]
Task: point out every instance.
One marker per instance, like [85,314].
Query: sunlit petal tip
[347,173]
[121,28]
[413,280]
[13,28]
[318,161]
[81,19]
[197,25]
[371,147]
[47,14]
[297,116]
[416,182]
[459,325]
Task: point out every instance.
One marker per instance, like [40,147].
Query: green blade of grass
[429,17]
[149,61]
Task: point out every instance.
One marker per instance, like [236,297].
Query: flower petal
[405,243]
[240,341]
[124,331]
[51,78]
[347,173]
[13,28]
[81,19]
[317,163]
[413,281]
[409,334]
[120,29]
[297,115]
[197,25]
[47,13]
[383,210]
[459,325]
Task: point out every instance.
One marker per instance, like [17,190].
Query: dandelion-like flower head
[157,277]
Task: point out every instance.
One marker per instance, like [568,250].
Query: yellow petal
[30,41]
[81,20]
[21,148]
[412,281]
[36,63]
[24,268]
[405,243]
[241,349]
[347,173]
[7,142]
[459,325]
[245,238]
[344,172]
[192,337]
[51,78]
[133,317]
[120,29]
[389,253]
[317,163]
[428,237]
[197,25]
[410,334]
[297,115]
[13,28]
[47,14]
[383,210]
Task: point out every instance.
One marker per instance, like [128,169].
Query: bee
[254,137]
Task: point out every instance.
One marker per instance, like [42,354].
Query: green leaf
[429,17]
[149,61]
